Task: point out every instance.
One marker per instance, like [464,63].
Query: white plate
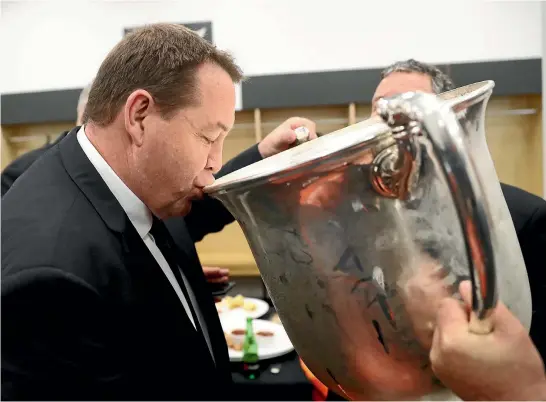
[280,345]
[261,309]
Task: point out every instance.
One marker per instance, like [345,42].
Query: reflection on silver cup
[359,233]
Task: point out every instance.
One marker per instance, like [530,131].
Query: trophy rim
[330,145]
[324,147]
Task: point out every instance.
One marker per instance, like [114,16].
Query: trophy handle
[431,121]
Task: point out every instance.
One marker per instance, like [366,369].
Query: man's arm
[6,181]
[245,158]
[54,332]
[533,247]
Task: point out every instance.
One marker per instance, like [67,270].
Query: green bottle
[250,346]
[251,367]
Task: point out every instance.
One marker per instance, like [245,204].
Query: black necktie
[165,244]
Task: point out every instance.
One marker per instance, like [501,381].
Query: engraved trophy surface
[357,232]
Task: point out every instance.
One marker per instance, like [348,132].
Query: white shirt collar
[138,213]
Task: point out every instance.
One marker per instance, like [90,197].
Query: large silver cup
[359,234]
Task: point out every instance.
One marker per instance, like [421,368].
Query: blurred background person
[17,167]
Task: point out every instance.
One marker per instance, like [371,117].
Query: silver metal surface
[359,233]
[425,118]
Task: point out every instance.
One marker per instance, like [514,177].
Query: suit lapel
[190,265]
[150,278]
[90,183]
[205,302]
[157,299]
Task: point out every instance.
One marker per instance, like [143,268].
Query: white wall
[53,44]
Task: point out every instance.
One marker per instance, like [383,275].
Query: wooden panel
[24,138]
[363,111]
[515,140]
[7,151]
[327,118]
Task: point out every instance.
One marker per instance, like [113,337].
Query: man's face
[399,82]
[179,155]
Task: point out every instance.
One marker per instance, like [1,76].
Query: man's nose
[215,161]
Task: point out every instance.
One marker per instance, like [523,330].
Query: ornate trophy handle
[427,119]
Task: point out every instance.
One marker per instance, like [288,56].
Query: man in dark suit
[98,303]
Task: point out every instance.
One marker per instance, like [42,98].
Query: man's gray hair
[84,96]
[441,82]
[82,103]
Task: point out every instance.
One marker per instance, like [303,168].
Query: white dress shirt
[141,218]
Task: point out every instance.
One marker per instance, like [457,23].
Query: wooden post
[7,150]
[352,113]
[258,124]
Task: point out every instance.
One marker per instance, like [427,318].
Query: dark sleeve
[7,180]
[209,215]
[54,339]
[533,248]
[12,173]
[17,167]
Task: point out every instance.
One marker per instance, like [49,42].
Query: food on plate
[249,305]
[265,338]
[232,303]
[235,339]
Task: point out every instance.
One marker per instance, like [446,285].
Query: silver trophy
[358,233]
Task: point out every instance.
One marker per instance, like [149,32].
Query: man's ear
[138,106]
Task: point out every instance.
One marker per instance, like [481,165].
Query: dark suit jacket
[529,216]
[87,314]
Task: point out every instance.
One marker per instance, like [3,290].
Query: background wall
[59,44]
